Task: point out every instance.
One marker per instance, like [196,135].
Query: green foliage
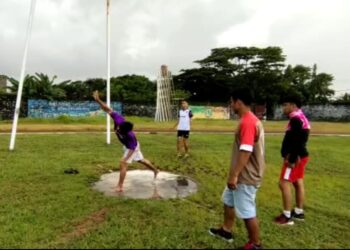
[261,69]
[128,88]
[39,86]
[227,69]
[315,88]
[76,90]
[319,88]
[133,89]
[344,99]
[181,94]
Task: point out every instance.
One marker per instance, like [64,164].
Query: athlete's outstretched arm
[103,105]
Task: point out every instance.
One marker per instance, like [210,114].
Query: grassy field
[41,207]
[64,123]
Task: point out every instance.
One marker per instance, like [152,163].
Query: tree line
[128,88]
[263,70]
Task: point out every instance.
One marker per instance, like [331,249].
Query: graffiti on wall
[49,109]
[139,110]
[320,112]
[209,112]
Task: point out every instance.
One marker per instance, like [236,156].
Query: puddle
[140,184]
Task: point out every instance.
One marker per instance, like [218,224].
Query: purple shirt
[129,140]
[118,118]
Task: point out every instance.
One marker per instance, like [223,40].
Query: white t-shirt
[185,120]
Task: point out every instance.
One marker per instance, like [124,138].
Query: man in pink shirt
[295,158]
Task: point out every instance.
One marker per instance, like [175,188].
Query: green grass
[60,120]
[65,123]
[39,204]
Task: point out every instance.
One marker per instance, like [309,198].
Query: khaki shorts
[136,156]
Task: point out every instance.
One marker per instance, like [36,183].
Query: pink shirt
[301,116]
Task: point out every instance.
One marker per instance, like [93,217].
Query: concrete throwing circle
[140,184]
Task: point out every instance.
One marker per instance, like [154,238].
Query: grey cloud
[69,35]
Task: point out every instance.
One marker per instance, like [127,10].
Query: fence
[49,109]
[7,107]
[321,112]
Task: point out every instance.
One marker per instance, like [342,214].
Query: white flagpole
[21,82]
[108,71]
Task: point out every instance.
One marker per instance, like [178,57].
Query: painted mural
[49,109]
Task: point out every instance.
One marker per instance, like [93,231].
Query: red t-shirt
[250,137]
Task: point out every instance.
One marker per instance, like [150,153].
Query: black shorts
[183,133]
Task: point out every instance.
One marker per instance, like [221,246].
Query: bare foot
[119,189]
[156,197]
[156,172]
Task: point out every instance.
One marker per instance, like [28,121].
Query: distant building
[3,82]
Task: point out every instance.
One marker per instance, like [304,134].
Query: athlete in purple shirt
[126,136]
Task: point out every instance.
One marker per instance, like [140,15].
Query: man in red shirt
[245,174]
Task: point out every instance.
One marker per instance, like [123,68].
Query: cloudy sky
[68,38]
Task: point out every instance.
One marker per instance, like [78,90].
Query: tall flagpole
[108,71]
[21,82]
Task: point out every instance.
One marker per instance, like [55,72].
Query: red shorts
[296,173]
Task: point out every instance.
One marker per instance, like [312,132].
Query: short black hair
[125,127]
[294,98]
[243,94]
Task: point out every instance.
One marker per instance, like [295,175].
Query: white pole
[108,72]
[21,82]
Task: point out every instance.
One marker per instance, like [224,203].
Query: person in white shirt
[183,126]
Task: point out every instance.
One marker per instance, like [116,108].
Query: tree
[28,86]
[182,94]
[128,88]
[226,69]
[260,69]
[74,90]
[314,87]
[298,79]
[46,88]
[203,84]
[39,86]
[133,89]
[344,99]
[319,88]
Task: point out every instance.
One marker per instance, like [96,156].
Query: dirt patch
[86,225]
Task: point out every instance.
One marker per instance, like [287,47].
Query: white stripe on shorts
[287,174]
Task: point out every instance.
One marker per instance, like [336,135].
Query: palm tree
[28,86]
[39,86]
